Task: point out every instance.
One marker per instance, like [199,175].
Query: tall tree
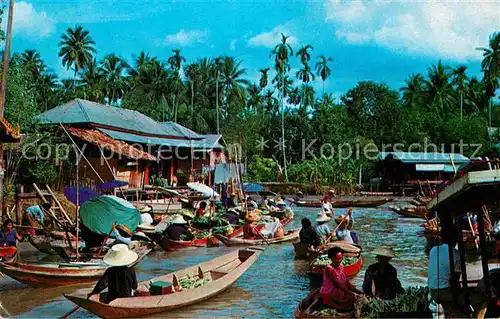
[459,80]
[218,67]
[305,75]
[233,81]
[304,54]
[115,85]
[92,81]
[176,60]
[282,53]
[263,78]
[439,89]
[491,68]
[413,91]
[76,49]
[322,69]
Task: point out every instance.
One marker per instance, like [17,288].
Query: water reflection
[272,287]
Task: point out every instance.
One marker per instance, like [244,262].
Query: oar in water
[70,313]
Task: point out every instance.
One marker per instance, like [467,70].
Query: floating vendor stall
[469,191]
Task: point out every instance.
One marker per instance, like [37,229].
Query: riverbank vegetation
[444,106]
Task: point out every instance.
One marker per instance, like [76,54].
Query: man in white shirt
[146,218]
[440,277]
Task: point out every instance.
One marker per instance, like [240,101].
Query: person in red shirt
[201,210]
[250,231]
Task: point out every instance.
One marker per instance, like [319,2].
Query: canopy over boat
[111,184]
[100,213]
[84,194]
[203,189]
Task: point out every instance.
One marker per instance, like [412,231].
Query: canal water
[272,287]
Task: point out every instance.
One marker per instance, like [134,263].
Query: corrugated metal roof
[421,157]
[170,142]
[179,130]
[81,111]
[447,168]
[213,140]
[106,142]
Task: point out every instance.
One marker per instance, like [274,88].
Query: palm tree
[113,68]
[92,81]
[305,75]
[474,94]
[218,66]
[34,64]
[414,90]
[491,68]
[459,80]
[76,49]
[438,87]
[322,69]
[254,97]
[176,60]
[263,77]
[192,75]
[304,54]
[294,96]
[46,87]
[232,81]
[282,52]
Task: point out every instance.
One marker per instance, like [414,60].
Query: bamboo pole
[61,208]
[49,211]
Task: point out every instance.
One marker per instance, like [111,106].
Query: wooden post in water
[19,204]
[484,256]
[463,264]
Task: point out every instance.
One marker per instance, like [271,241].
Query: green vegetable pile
[325,261]
[414,300]
[186,237]
[203,234]
[200,220]
[190,282]
[222,230]
[326,312]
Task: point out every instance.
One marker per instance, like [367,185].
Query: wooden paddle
[262,236]
[331,235]
[70,313]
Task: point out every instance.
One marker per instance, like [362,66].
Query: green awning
[100,213]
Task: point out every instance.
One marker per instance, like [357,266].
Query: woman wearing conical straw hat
[119,278]
[345,224]
[322,228]
[381,278]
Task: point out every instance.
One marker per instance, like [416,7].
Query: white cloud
[271,38]
[30,22]
[444,29]
[232,45]
[186,38]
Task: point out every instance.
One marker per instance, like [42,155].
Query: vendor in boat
[337,291]
[381,278]
[251,204]
[146,215]
[250,231]
[232,201]
[345,224]
[177,228]
[201,210]
[34,215]
[233,217]
[331,194]
[119,278]
[298,196]
[309,240]
[322,228]
[8,239]
[327,207]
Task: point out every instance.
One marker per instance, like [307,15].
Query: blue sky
[369,40]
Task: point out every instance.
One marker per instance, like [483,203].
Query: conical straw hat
[120,255]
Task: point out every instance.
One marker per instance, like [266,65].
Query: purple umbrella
[111,185]
[84,192]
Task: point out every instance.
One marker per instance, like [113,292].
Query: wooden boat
[411,212]
[172,245]
[351,270]
[42,244]
[345,203]
[224,272]
[311,303]
[290,235]
[49,275]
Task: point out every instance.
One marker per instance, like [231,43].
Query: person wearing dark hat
[381,278]
[119,278]
[177,228]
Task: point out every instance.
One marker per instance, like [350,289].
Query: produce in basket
[190,282]
[323,260]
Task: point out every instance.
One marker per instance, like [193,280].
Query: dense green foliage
[444,106]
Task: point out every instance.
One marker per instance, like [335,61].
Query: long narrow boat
[42,244]
[49,275]
[411,212]
[173,245]
[223,271]
[309,305]
[290,235]
[344,203]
